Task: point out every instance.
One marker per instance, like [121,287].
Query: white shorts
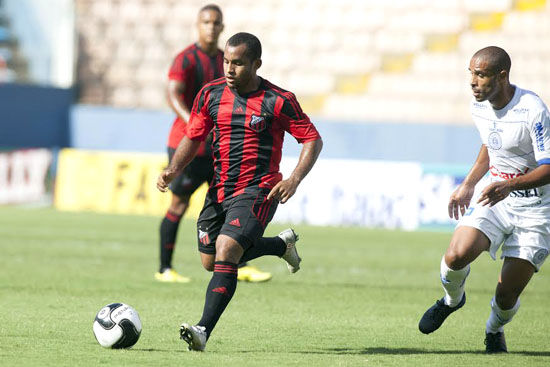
[524,234]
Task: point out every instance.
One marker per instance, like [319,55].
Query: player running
[191,69]
[512,212]
[249,117]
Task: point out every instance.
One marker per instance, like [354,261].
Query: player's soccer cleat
[193,335]
[434,317]
[253,275]
[291,254]
[170,276]
[495,343]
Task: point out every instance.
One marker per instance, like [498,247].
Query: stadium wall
[373,175]
[101,128]
[33,117]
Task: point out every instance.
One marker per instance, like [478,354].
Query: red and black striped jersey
[195,68]
[248,134]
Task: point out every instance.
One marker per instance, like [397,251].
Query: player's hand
[460,200]
[164,180]
[284,190]
[494,193]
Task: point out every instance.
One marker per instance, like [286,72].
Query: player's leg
[524,252]
[263,210]
[466,245]
[264,246]
[219,292]
[254,214]
[514,277]
[224,281]
[168,234]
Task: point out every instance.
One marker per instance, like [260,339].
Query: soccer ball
[117,325]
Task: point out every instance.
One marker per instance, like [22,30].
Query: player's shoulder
[216,84]
[530,101]
[189,50]
[275,89]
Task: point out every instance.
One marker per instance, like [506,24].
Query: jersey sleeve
[540,135]
[181,68]
[296,122]
[200,122]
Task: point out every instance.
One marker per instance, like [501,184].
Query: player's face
[483,80]
[240,70]
[210,25]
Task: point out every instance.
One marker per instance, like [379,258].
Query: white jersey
[518,141]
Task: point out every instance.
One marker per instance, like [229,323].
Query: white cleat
[193,335]
[291,254]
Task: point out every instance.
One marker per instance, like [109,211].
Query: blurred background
[84,119]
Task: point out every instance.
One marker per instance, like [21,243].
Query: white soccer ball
[117,325]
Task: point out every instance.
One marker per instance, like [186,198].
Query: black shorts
[243,218]
[200,170]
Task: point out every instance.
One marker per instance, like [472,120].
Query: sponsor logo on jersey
[506,175]
[480,105]
[539,130]
[495,141]
[238,110]
[520,110]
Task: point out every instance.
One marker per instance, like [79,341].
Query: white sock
[453,283]
[498,318]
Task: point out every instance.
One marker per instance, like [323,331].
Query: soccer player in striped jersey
[192,68]
[249,117]
[512,212]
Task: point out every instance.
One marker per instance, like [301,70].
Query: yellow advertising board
[113,182]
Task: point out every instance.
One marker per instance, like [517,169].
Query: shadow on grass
[158,350]
[410,351]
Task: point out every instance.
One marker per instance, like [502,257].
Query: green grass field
[355,302]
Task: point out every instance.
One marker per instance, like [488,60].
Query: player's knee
[207,262]
[506,299]
[455,259]
[506,296]
[179,205]
[209,266]
[228,251]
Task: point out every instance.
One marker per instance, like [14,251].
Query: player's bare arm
[285,189]
[174,91]
[461,197]
[187,149]
[498,191]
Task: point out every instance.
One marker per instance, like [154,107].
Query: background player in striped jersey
[191,69]
[513,210]
[249,117]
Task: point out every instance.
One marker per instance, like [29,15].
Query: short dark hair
[253,45]
[212,7]
[497,58]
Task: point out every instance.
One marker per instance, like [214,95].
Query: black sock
[265,246]
[168,232]
[218,294]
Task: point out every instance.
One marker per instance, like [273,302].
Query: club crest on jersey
[540,255]
[258,123]
[495,141]
[203,237]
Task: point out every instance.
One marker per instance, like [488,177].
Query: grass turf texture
[356,301]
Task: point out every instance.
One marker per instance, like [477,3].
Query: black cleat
[495,343]
[434,317]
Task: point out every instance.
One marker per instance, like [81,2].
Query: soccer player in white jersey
[513,211]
